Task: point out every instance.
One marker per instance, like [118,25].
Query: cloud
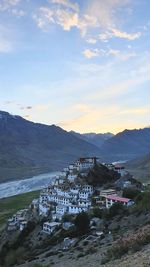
[111,33]
[114,52]
[121,55]
[86,22]
[26,108]
[98,15]
[44,17]
[67,19]
[91,41]
[67,4]
[105,11]
[6,45]
[89,118]
[105,36]
[9,102]
[47,16]
[89,53]
[18,13]
[139,111]
[125,35]
[7,4]
[95,119]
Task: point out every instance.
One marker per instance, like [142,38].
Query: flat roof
[117,198]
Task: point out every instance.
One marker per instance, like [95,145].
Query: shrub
[130,243]
[143,201]
[37,265]
[91,250]
[82,222]
[10,259]
[97,212]
[80,255]
[117,209]
[60,255]
[14,257]
[85,243]
[131,193]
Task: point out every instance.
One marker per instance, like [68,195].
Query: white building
[88,188]
[75,209]
[49,227]
[72,177]
[44,209]
[75,189]
[84,194]
[12,226]
[61,209]
[22,225]
[84,203]
[107,192]
[63,200]
[86,163]
[43,197]
[112,199]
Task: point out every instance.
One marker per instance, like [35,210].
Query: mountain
[140,167]
[126,145]
[93,138]
[28,148]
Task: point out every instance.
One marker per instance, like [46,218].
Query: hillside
[126,145]
[93,138]
[28,148]
[140,167]
[125,241]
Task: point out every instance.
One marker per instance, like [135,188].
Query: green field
[8,206]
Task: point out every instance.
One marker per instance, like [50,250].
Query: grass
[8,206]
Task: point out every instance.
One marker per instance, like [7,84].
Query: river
[22,186]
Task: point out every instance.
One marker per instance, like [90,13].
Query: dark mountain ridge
[28,148]
[128,144]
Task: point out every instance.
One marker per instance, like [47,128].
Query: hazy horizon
[72,130]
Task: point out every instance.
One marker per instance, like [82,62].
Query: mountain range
[127,145]
[28,148]
[94,138]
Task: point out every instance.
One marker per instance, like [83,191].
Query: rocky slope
[140,167]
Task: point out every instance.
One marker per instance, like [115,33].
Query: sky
[83,65]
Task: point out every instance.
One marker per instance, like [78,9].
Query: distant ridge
[93,138]
[28,148]
[128,144]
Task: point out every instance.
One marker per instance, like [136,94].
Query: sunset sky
[83,65]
